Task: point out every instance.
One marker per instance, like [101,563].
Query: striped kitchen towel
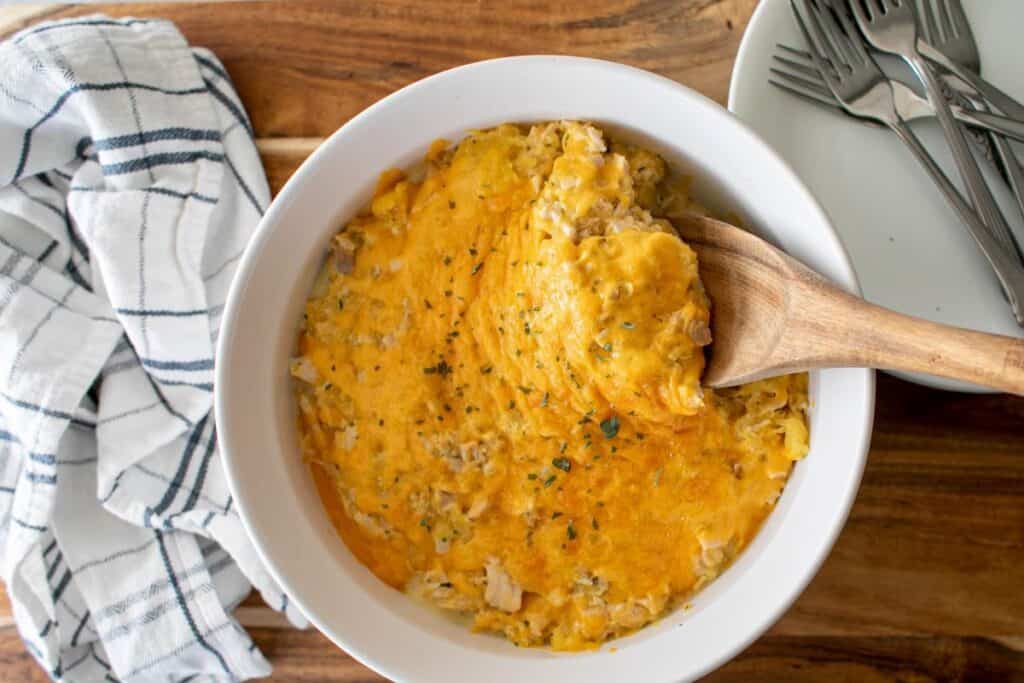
[129,186]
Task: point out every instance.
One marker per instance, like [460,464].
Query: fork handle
[1003,125]
[1008,270]
[980,196]
[996,97]
[1014,171]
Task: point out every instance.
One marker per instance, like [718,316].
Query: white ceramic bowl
[378,625]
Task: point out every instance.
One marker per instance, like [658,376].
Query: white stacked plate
[909,249]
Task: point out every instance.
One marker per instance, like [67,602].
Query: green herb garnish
[610,426]
[563,464]
[442,368]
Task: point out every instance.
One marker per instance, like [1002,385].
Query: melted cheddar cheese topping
[499,391]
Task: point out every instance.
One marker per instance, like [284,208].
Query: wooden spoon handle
[879,338]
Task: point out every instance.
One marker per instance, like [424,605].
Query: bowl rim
[247,265]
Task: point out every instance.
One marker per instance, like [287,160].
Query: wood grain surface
[926,582]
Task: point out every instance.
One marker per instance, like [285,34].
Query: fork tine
[840,45]
[948,30]
[799,60]
[801,69]
[810,84]
[958,20]
[850,32]
[863,10]
[817,45]
[929,29]
[802,54]
[809,95]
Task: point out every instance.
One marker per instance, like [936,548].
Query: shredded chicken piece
[502,592]
[344,254]
[303,369]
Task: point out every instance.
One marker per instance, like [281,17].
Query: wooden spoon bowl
[771,315]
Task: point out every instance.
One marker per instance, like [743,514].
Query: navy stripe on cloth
[37,478]
[204,386]
[43,458]
[230,106]
[161,313]
[77,242]
[87,22]
[163,400]
[46,252]
[212,66]
[200,481]
[38,200]
[157,364]
[179,475]
[114,556]
[26,142]
[65,580]
[167,480]
[184,606]
[76,275]
[157,135]
[26,525]
[245,188]
[49,412]
[70,667]
[78,631]
[126,627]
[159,159]
[53,567]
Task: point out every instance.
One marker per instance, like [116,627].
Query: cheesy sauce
[499,391]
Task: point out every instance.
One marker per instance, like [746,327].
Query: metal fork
[864,91]
[948,31]
[958,53]
[891,26]
[795,73]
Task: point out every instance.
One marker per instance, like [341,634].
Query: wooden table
[926,582]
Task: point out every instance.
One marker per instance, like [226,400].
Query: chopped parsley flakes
[610,426]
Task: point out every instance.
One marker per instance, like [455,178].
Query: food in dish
[499,391]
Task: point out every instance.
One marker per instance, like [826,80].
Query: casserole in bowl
[275,494]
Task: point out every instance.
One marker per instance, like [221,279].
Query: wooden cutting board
[926,582]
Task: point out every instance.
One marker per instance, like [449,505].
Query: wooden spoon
[771,315]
